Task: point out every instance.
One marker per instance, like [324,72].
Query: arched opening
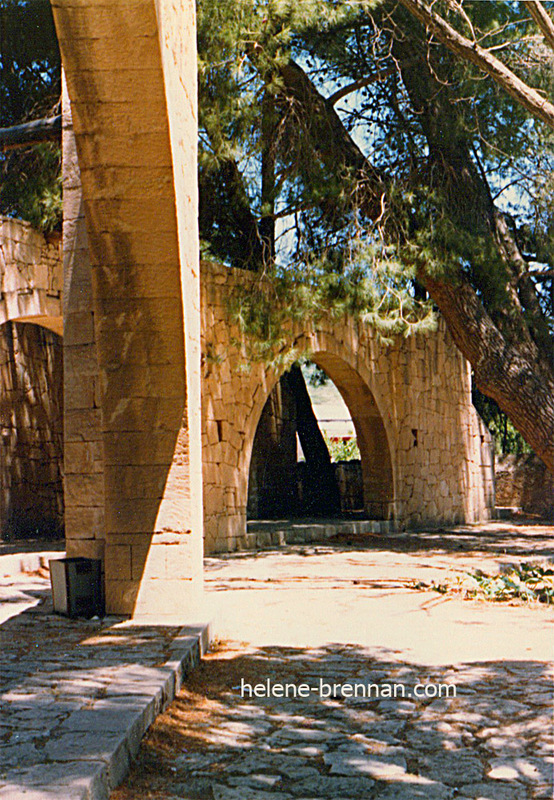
[31,432]
[290,475]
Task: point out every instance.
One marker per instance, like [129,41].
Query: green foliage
[426,222]
[531,583]
[32,186]
[370,287]
[342,450]
[506,438]
[30,84]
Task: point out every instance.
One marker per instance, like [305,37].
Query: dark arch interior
[288,480]
[31,432]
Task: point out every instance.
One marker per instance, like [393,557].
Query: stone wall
[426,455]
[31,276]
[524,482]
[425,452]
[31,437]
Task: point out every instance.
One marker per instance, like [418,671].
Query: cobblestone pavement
[347,615]
[76,695]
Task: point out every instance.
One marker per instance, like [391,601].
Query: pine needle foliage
[30,86]
[369,287]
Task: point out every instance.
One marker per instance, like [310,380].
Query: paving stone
[332,750]
[423,739]
[260,781]
[71,781]
[305,735]
[396,707]
[452,768]
[192,762]
[221,792]
[413,790]
[494,791]
[194,789]
[294,767]
[528,770]
[325,786]
[357,761]
[90,746]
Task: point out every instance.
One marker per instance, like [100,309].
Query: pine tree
[391,160]
[30,85]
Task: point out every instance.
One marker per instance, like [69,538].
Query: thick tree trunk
[267,220]
[511,360]
[225,216]
[523,390]
[503,332]
[323,493]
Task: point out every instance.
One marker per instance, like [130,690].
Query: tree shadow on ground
[525,540]
[217,742]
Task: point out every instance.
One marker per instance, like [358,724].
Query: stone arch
[410,400]
[373,443]
[341,366]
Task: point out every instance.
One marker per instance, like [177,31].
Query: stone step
[263,534]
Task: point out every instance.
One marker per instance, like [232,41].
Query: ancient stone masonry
[83,456]
[131,299]
[30,275]
[139,451]
[426,455]
[31,435]
[31,381]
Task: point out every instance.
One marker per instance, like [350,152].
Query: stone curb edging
[94,746]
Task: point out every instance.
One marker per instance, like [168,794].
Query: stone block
[149,148]
[81,457]
[118,562]
[78,328]
[85,548]
[83,489]
[121,596]
[129,516]
[81,360]
[140,447]
[139,554]
[128,181]
[126,216]
[135,414]
[80,393]
[129,481]
[84,521]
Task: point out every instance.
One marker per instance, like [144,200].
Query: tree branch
[543,20]
[484,60]
[359,84]
[39,130]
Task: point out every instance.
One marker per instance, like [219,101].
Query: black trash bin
[77,587]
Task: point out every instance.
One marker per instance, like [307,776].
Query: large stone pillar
[83,450]
[130,71]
